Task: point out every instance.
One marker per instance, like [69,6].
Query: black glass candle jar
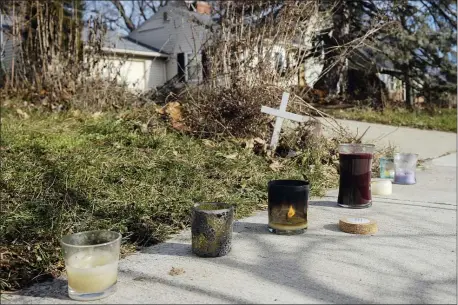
[211,228]
[288,204]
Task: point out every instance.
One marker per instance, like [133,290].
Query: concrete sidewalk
[426,143]
[411,259]
[448,160]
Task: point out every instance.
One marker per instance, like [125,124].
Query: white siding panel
[172,66]
[157,73]
[130,72]
[8,58]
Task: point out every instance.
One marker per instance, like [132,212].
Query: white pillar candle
[92,272]
[381,187]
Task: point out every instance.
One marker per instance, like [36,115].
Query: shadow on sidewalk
[251,227]
[330,204]
[184,248]
[144,277]
[56,289]
[169,248]
[332,227]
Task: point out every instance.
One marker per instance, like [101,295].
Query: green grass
[443,119]
[63,174]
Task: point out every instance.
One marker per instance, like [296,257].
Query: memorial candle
[355,162]
[404,177]
[381,187]
[92,272]
[287,206]
[405,165]
[91,261]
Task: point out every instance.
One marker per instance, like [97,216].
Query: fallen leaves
[23,114]
[176,271]
[144,128]
[174,112]
[231,156]
[208,143]
[257,145]
[76,113]
[97,114]
[276,166]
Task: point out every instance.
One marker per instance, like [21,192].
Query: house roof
[363,58]
[115,42]
[195,16]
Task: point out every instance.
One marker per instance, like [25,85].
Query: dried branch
[127,20]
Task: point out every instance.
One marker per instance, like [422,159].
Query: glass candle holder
[355,175]
[405,166]
[386,168]
[287,205]
[211,228]
[91,261]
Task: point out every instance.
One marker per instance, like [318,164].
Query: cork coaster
[358,225]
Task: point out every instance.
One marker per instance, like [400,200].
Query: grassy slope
[444,119]
[62,174]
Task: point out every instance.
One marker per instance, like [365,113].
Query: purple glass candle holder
[405,166]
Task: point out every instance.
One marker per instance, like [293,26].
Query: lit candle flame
[291,212]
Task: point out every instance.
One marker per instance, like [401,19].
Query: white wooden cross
[281,114]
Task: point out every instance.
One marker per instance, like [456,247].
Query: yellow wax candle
[92,272]
[285,227]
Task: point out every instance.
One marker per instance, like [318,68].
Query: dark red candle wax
[355,179]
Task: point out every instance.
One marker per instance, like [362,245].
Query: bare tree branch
[141,7]
[127,20]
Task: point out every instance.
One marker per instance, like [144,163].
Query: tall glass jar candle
[355,162]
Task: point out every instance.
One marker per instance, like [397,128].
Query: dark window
[181,66]
[279,64]
[205,66]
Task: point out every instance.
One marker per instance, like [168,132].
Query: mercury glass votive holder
[211,229]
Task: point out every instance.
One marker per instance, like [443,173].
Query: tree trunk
[343,78]
[334,77]
[409,95]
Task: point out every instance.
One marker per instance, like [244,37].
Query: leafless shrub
[59,61]
[259,47]
[259,42]
[253,54]
[228,111]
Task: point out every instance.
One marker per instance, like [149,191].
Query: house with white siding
[178,30]
[165,46]
[138,66]
[174,36]
[6,46]
[168,46]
